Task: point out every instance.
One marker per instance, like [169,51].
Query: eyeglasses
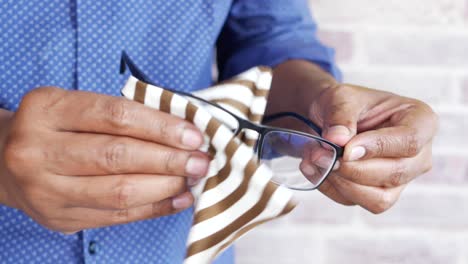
[299,158]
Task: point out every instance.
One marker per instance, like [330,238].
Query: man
[77,162]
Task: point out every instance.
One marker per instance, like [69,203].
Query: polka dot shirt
[77,44]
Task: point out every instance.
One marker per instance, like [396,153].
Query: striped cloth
[237,193]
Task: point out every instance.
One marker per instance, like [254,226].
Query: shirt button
[92,247]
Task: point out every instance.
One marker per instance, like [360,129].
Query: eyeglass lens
[297,161]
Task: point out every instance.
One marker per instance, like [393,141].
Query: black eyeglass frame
[261,129]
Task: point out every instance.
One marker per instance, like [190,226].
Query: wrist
[296,83]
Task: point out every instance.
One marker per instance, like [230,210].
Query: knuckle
[17,154]
[344,91]
[380,145]
[397,175]
[47,97]
[329,92]
[412,143]
[340,89]
[385,201]
[345,88]
[433,117]
[36,95]
[123,193]
[174,161]
[117,113]
[14,153]
[121,216]
[162,129]
[114,156]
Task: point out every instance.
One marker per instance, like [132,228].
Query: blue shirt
[76,45]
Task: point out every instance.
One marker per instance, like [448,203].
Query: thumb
[340,121]
[339,134]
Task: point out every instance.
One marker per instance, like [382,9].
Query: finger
[311,172]
[373,199]
[411,129]
[317,162]
[314,172]
[322,156]
[331,192]
[387,172]
[339,114]
[91,218]
[119,116]
[391,142]
[118,192]
[93,154]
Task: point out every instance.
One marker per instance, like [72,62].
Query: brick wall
[417,48]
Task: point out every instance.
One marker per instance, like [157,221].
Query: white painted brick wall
[417,48]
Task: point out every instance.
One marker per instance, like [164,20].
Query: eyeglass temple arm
[275,116]
[126,62]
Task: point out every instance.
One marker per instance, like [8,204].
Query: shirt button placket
[91,246]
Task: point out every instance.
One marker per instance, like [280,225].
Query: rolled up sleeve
[269,32]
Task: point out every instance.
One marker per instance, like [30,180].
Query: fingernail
[308,170]
[192,181]
[181,202]
[339,130]
[357,153]
[324,162]
[191,138]
[338,134]
[196,166]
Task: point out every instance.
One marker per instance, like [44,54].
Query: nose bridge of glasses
[247,127]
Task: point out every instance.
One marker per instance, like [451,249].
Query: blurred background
[418,48]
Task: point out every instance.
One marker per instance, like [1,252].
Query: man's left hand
[387,139]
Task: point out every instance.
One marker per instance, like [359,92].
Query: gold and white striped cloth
[237,193]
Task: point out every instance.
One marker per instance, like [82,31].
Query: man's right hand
[73,160]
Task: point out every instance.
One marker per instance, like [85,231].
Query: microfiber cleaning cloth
[237,195]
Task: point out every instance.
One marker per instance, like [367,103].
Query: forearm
[295,83]
[4,118]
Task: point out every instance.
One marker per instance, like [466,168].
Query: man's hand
[387,138]
[75,160]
